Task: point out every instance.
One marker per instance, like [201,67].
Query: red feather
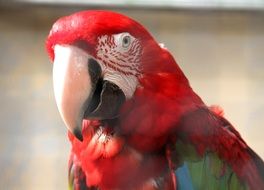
[210,132]
[159,113]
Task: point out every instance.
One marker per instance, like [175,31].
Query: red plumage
[80,26]
[163,110]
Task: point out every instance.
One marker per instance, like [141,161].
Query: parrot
[134,122]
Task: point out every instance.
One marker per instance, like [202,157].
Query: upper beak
[80,90]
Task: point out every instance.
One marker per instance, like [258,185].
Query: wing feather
[212,155]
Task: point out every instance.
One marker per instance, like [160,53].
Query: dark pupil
[125,40]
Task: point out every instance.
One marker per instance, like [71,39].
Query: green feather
[208,172]
[186,152]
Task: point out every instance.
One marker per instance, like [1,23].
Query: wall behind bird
[220,52]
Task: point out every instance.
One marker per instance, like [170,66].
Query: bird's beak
[80,90]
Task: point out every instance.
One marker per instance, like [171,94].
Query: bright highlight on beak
[72,85]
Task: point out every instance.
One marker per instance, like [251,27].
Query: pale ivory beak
[72,85]
[80,90]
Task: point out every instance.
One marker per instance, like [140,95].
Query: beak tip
[78,134]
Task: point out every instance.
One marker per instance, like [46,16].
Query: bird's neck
[158,105]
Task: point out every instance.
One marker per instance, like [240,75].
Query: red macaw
[134,121]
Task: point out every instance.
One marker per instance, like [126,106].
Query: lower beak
[80,90]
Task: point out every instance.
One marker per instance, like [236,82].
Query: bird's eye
[126,40]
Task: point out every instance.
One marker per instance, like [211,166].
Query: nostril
[83,45]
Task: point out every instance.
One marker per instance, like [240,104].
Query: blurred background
[219,44]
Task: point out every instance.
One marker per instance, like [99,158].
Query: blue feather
[184,181]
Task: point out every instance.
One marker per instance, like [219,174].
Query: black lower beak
[104,100]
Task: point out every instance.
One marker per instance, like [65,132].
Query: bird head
[99,58]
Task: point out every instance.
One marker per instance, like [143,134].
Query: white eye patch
[123,41]
[119,57]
